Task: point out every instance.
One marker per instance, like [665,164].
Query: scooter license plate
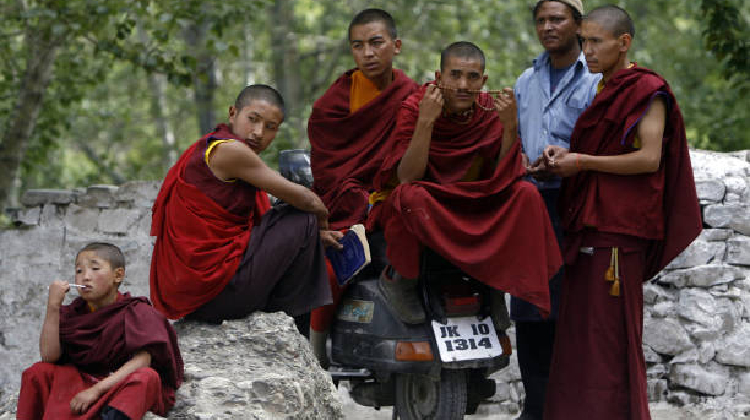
[466,338]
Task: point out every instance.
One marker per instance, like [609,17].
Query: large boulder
[254,368]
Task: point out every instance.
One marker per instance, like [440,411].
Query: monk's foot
[499,314]
[318,343]
[401,295]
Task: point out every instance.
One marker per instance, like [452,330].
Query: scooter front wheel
[420,397]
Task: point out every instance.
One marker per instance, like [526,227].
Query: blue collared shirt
[547,118]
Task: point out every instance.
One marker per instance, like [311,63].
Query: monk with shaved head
[452,183]
[628,206]
[221,251]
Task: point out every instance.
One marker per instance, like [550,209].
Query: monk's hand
[57,291]
[525,161]
[83,400]
[331,238]
[539,170]
[566,165]
[552,153]
[505,105]
[431,105]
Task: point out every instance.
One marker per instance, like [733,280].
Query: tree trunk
[41,53]
[285,55]
[159,113]
[204,78]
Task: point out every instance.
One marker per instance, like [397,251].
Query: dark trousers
[535,336]
[534,342]
[283,269]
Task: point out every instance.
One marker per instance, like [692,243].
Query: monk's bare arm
[414,162]
[49,339]
[235,160]
[644,160]
[505,104]
[84,399]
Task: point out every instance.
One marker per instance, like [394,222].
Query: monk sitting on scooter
[452,181]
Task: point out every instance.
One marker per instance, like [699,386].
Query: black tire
[419,397]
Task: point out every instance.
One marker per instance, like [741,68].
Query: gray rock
[38,197]
[98,196]
[138,193]
[28,217]
[698,253]
[118,220]
[709,380]
[657,389]
[738,250]
[720,215]
[744,383]
[741,220]
[703,276]
[664,309]
[653,293]
[255,368]
[81,219]
[666,336]
[700,307]
[713,165]
[713,235]
[735,348]
[710,190]
[736,185]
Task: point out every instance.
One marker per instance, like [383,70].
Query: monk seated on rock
[221,251]
[106,355]
[457,165]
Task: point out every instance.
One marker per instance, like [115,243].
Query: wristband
[578,162]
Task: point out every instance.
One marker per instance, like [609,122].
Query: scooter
[435,370]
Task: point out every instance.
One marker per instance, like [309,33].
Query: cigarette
[78,285]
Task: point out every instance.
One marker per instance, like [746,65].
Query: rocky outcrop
[696,312]
[254,368]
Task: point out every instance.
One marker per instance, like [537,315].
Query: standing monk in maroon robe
[457,166]
[348,128]
[628,207]
[221,252]
[106,354]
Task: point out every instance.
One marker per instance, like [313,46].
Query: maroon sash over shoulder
[495,228]
[199,244]
[661,206]
[347,148]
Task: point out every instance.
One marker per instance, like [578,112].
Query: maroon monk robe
[199,243]
[598,370]
[93,345]
[347,148]
[495,228]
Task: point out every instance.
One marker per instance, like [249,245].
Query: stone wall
[696,316]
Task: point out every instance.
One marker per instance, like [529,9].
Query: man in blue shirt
[550,95]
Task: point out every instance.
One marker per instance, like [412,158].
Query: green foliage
[98,122]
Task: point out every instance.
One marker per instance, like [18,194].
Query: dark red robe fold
[662,206]
[93,345]
[598,369]
[347,148]
[496,228]
[199,244]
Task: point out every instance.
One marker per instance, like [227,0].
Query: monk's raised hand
[331,238]
[57,291]
[505,105]
[431,105]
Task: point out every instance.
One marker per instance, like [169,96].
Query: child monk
[98,352]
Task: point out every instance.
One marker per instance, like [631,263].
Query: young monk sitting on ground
[221,252]
[628,207]
[348,128]
[106,355]
[455,156]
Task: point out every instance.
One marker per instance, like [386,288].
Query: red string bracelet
[578,162]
